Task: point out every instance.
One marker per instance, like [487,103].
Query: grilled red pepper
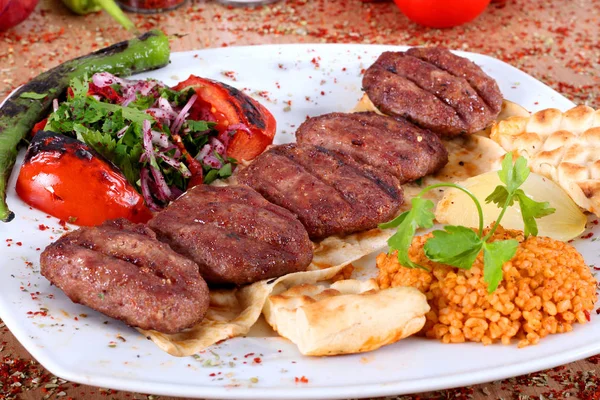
[67,179]
[232,109]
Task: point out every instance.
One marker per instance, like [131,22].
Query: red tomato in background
[229,106]
[13,12]
[442,13]
[67,179]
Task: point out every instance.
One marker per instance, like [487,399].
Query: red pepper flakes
[42,227]
[302,379]
[230,74]
[587,236]
[248,355]
[257,360]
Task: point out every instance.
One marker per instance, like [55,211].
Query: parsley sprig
[459,246]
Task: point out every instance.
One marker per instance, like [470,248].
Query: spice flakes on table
[557,42]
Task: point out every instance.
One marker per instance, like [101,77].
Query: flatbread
[562,146]
[348,317]
[233,312]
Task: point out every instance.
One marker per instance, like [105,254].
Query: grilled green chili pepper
[32,101]
[88,6]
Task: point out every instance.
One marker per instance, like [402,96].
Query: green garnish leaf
[531,210]
[459,246]
[80,87]
[498,196]
[225,171]
[420,216]
[495,254]
[455,245]
[199,126]
[211,176]
[395,222]
[33,95]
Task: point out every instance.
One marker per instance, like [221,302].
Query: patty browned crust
[330,192]
[435,89]
[234,234]
[122,270]
[392,145]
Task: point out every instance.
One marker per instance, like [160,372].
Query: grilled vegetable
[89,6]
[32,101]
[69,180]
[245,126]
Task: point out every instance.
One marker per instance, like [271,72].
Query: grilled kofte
[435,89]
[234,234]
[328,191]
[121,270]
[393,145]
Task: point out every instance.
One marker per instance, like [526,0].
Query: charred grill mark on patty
[434,89]
[329,191]
[483,84]
[123,271]
[393,146]
[234,234]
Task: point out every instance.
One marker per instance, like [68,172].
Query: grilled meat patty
[330,192]
[393,145]
[435,89]
[234,234]
[123,271]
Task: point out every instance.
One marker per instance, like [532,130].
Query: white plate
[316,79]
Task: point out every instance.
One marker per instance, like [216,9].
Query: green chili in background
[89,6]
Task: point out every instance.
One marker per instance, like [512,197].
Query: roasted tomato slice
[230,109]
[67,179]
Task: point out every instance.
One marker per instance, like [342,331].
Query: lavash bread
[348,317]
[563,146]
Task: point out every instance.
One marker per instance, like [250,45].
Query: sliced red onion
[160,139]
[129,99]
[55,105]
[103,79]
[238,127]
[177,153]
[226,135]
[163,191]
[217,146]
[144,180]
[183,114]
[212,161]
[176,192]
[178,165]
[160,114]
[122,131]
[164,104]
[204,152]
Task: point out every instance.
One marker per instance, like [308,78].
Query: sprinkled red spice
[302,379]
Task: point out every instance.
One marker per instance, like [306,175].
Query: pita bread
[233,312]
[564,147]
[348,317]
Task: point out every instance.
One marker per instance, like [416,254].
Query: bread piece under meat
[349,317]
[563,146]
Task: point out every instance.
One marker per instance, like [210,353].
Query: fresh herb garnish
[459,246]
[33,95]
[129,123]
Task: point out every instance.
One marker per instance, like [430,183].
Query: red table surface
[558,42]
